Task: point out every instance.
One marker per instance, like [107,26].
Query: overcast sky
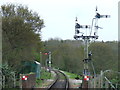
[59,16]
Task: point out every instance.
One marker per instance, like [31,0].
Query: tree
[66,54]
[21,34]
[103,56]
[69,54]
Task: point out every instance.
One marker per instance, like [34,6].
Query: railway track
[61,81]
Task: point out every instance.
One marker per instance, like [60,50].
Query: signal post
[87,37]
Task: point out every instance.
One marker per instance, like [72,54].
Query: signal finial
[96,9]
[76,19]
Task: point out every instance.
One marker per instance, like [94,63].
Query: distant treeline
[68,55]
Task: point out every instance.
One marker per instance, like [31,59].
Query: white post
[101,79]
[20,82]
[3,82]
[14,80]
[1,79]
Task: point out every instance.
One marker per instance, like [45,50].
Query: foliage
[113,76]
[8,73]
[44,76]
[104,56]
[21,34]
[72,75]
[68,55]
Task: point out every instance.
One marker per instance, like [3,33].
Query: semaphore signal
[101,16]
[90,32]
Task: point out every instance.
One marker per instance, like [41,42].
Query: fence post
[101,79]
[97,82]
[106,85]
[89,83]
[116,85]
[3,81]
[14,80]
[20,82]
[94,83]
[0,79]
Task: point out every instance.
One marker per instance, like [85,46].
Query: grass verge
[72,75]
[45,75]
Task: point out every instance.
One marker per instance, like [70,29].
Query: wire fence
[101,81]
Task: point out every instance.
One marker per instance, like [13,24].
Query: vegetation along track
[61,81]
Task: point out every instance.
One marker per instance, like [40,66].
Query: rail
[61,81]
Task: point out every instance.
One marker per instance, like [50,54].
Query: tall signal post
[90,33]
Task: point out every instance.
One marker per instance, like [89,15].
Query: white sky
[59,16]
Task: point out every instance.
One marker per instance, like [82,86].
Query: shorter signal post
[90,33]
[48,61]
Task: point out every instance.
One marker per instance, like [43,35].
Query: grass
[47,75]
[72,75]
[44,76]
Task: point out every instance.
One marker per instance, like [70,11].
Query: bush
[9,76]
